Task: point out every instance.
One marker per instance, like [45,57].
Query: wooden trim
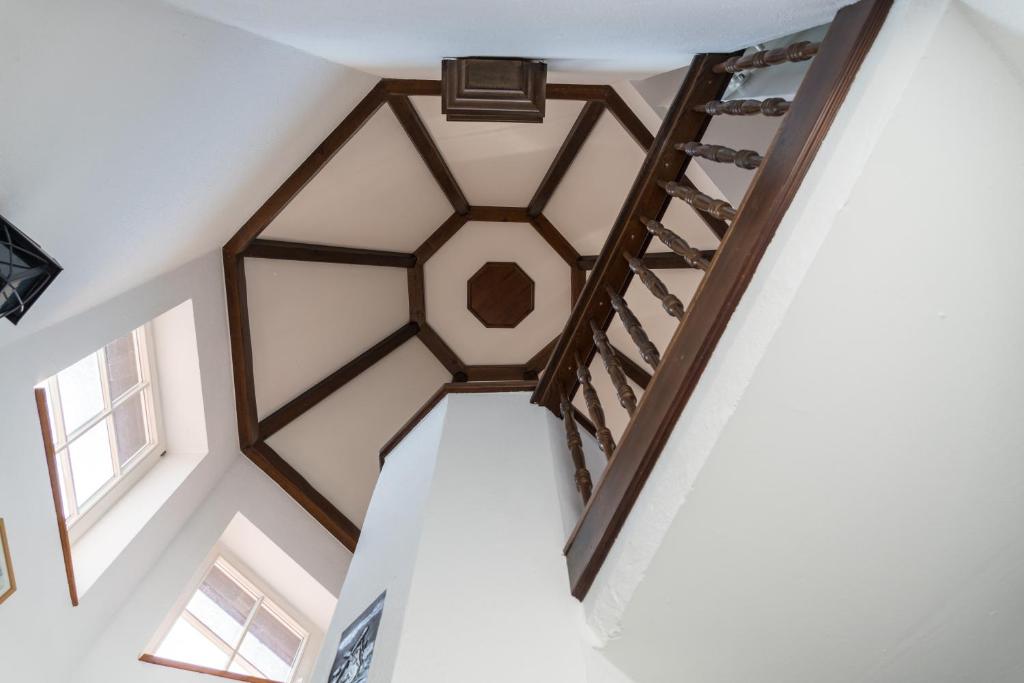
[324,253]
[578,134]
[284,415]
[58,503]
[640,376]
[448,358]
[555,239]
[421,139]
[417,295]
[195,668]
[499,373]
[645,199]
[8,564]
[499,214]
[451,388]
[241,348]
[437,238]
[628,119]
[576,91]
[307,170]
[412,87]
[658,261]
[786,163]
[311,500]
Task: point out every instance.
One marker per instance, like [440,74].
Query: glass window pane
[91,466]
[122,365]
[129,428]
[222,605]
[81,396]
[240,666]
[270,645]
[185,643]
[65,496]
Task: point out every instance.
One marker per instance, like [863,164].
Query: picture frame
[356,646]
[7,582]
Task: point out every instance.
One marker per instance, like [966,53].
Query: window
[105,425]
[231,625]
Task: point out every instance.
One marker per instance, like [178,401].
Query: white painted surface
[337,443]
[246,490]
[39,614]
[397,37]
[855,514]
[376,193]
[387,548]
[143,137]
[447,273]
[309,319]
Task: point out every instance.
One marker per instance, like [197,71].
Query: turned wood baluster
[572,438]
[797,52]
[648,351]
[743,158]
[772,106]
[719,208]
[672,305]
[627,399]
[676,244]
[604,435]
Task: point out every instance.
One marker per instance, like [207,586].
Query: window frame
[83,515]
[245,577]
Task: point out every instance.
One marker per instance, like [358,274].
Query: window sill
[195,668]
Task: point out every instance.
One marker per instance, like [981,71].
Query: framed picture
[355,649]
[7,585]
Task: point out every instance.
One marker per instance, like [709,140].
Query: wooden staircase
[746,230]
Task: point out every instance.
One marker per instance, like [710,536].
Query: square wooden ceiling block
[493,89]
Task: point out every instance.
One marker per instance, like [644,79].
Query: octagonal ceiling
[357,287]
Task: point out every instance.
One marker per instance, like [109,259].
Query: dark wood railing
[746,231]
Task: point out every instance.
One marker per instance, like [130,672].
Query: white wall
[850,508]
[465,533]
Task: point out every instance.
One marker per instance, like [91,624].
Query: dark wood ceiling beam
[659,261]
[552,91]
[628,119]
[634,371]
[443,233]
[288,478]
[324,152]
[403,108]
[498,373]
[448,358]
[578,134]
[499,214]
[241,349]
[323,253]
[555,239]
[284,415]
[412,87]
[417,295]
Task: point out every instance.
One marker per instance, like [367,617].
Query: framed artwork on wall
[7,585]
[355,648]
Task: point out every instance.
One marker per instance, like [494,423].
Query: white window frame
[239,572]
[83,515]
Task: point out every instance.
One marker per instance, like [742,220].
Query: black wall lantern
[25,271]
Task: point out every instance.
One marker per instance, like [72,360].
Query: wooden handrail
[772,189]
[662,164]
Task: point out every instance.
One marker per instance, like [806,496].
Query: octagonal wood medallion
[500,294]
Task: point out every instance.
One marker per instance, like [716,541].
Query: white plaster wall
[43,635]
[849,472]
[489,599]
[245,489]
[387,547]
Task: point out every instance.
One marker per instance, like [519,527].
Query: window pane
[185,643]
[240,666]
[122,365]
[81,395]
[222,605]
[270,645]
[129,428]
[65,496]
[91,466]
